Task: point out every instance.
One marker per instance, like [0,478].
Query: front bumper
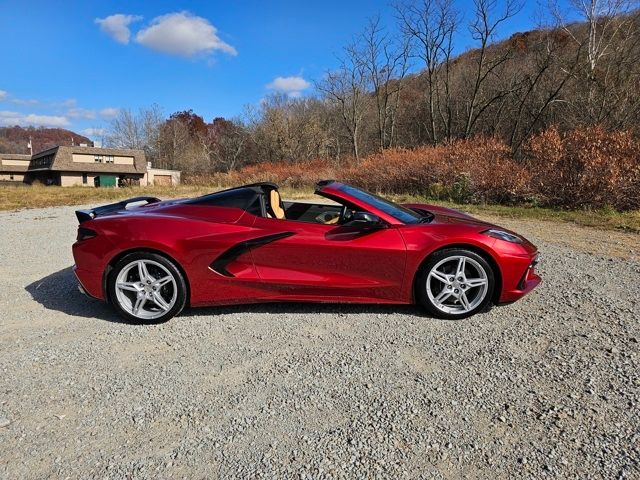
[527,282]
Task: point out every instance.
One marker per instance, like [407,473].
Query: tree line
[406,86]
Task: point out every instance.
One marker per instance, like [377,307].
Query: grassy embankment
[37,197]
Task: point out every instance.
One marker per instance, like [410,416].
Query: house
[13,167]
[84,166]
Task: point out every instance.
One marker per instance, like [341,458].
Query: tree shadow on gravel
[59,291]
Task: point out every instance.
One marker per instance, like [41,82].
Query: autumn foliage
[466,171]
[584,168]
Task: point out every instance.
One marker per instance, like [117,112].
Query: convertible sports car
[151,258]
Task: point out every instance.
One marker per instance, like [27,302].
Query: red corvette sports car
[151,258]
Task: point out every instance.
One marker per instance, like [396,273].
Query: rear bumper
[89,283]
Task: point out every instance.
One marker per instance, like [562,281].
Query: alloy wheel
[457,284]
[146,289]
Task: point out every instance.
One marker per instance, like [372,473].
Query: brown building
[84,166]
[13,167]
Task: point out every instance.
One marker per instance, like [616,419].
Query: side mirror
[365,220]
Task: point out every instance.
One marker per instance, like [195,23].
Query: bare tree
[385,61]
[483,29]
[608,39]
[230,143]
[136,130]
[346,88]
[604,25]
[430,24]
[125,130]
[151,119]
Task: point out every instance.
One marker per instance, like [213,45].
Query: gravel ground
[545,388]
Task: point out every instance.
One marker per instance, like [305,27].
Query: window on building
[11,177]
[98,158]
[84,178]
[108,159]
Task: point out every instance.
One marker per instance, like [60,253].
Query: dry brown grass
[12,198]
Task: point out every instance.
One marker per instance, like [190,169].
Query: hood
[443,215]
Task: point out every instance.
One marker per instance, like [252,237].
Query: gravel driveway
[546,387]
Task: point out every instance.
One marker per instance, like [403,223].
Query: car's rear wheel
[455,283]
[145,287]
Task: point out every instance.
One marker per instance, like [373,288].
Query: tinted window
[396,211]
[243,198]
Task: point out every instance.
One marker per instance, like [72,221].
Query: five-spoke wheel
[455,283]
[147,287]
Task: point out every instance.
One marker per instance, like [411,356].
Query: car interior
[324,213]
[263,200]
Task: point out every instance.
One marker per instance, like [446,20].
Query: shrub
[465,171]
[587,167]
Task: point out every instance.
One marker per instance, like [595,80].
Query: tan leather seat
[333,220]
[274,205]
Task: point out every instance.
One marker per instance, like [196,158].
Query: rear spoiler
[85,215]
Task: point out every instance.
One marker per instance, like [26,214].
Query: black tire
[422,295]
[180,287]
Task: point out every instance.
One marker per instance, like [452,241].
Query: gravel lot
[546,387]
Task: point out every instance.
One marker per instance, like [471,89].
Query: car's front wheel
[145,287]
[455,283]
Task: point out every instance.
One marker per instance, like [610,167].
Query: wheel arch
[124,253]
[473,248]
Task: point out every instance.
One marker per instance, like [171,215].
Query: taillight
[85,234]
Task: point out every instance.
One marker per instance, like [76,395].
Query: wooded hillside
[16,139]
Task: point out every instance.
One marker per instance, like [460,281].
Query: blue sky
[74,65]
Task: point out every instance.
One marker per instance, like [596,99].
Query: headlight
[502,235]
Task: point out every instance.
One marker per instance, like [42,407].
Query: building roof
[15,156]
[62,160]
[14,168]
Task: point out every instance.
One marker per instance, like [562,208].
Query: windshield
[396,211]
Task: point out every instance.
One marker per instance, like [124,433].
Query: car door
[315,261]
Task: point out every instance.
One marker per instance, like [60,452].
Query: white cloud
[117,26]
[183,34]
[81,113]
[8,118]
[109,112]
[24,101]
[90,114]
[94,132]
[3,94]
[292,86]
